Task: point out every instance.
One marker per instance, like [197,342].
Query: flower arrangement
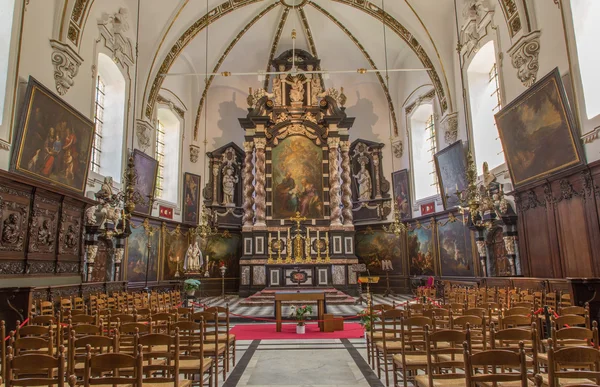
[191,285]
[365,319]
[300,312]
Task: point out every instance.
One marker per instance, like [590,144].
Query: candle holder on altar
[270,247]
[386,266]
[278,245]
[223,269]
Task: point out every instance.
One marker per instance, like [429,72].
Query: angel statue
[364,183]
[297,92]
[193,258]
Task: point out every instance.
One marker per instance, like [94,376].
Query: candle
[317,236]
[270,239]
[288,234]
[278,235]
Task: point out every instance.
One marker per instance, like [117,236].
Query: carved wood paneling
[43,225]
[14,219]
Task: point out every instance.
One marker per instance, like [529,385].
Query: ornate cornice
[511,14]
[412,42]
[213,15]
[430,95]
[524,54]
[143,131]
[276,39]
[66,62]
[311,41]
[77,20]
[180,112]
[222,59]
[362,49]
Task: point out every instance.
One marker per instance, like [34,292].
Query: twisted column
[346,190]
[261,194]
[248,186]
[334,181]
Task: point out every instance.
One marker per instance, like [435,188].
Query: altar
[301,183]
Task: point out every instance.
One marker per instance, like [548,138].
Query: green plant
[365,319]
[299,313]
[191,284]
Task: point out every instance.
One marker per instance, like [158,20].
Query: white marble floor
[302,363]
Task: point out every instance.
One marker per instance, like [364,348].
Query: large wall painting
[54,140]
[137,251]
[421,251]
[175,244]
[455,247]
[402,193]
[297,178]
[191,198]
[146,168]
[222,248]
[373,246]
[451,167]
[538,132]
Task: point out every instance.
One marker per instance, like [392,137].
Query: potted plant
[190,286]
[300,314]
[366,321]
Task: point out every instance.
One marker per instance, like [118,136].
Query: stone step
[266,297]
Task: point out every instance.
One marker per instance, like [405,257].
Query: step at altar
[266,297]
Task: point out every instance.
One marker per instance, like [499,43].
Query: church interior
[299,193]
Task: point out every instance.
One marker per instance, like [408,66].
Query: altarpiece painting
[538,132]
[297,178]
[374,246]
[451,167]
[191,198]
[175,245]
[421,249]
[143,234]
[455,246]
[146,168]
[402,193]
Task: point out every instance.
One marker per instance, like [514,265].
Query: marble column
[91,252]
[346,181]
[334,181]
[248,185]
[261,194]
[377,174]
[216,166]
[481,250]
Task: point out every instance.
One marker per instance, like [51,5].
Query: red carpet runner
[288,331]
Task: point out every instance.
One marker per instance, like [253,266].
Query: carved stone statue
[315,85]
[10,229]
[193,258]
[277,91]
[44,235]
[229,182]
[297,92]
[106,192]
[70,237]
[365,186]
[488,177]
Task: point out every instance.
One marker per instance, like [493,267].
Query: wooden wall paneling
[70,236]
[15,208]
[573,232]
[592,191]
[43,233]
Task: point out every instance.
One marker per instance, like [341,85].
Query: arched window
[587,30]
[485,101]
[168,146]
[107,150]
[423,146]
[7,8]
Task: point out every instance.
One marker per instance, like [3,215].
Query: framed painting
[402,193]
[375,246]
[139,254]
[191,198]
[455,248]
[175,245]
[451,168]
[53,141]
[146,168]
[538,132]
[297,164]
[421,251]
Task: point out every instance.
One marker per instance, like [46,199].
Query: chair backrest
[78,348]
[83,319]
[444,342]
[512,338]
[494,366]
[210,319]
[579,310]
[515,321]
[112,368]
[35,369]
[572,363]
[223,318]
[160,371]
[518,310]
[575,336]
[412,334]
[571,320]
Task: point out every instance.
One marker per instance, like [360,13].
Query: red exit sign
[165,212]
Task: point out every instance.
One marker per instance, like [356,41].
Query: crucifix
[298,238]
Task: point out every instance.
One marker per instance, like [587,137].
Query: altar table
[299,295]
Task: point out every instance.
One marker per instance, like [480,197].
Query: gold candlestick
[318,244]
[270,260]
[327,257]
[289,248]
[279,246]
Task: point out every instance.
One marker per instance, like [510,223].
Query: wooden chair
[191,351]
[223,335]
[572,365]
[444,355]
[518,310]
[515,321]
[513,339]
[572,320]
[113,369]
[128,333]
[35,370]
[390,342]
[217,351]
[376,331]
[162,321]
[482,368]
[32,339]
[84,319]
[79,347]
[157,348]
[477,327]
[410,356]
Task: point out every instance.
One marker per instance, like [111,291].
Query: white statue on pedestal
[229,182]
[364,183]
[193,258]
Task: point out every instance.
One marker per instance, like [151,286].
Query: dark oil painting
[538,132]
[175,246]
[402,193]
[451,167]
[191,198]
[146,168]
[455,248]
[297,178]
[137,253]
[225,248]
[373,246]
[421,251]
[53,140]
